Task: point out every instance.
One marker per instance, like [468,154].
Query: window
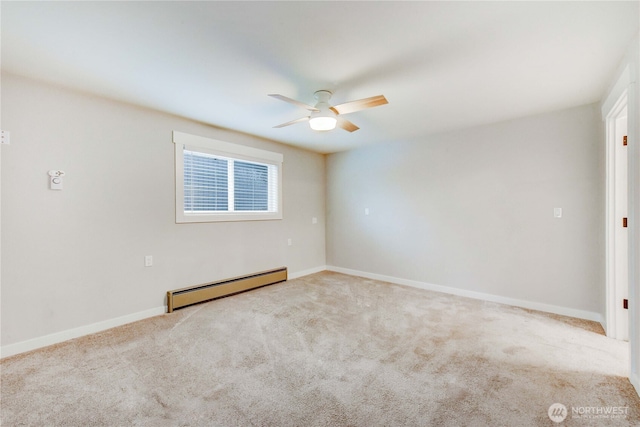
[220,181]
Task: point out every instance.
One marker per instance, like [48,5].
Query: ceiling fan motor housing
[325,119]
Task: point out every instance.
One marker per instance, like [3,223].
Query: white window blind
[205,182]
[250,186]
[214,185]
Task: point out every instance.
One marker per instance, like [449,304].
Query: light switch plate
[5,137]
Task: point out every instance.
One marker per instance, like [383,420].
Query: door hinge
[625,304]
[624,222]
[624,140]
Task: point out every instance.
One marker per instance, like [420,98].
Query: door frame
[614,328]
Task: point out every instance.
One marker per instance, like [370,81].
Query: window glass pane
[205,182]
[251,183]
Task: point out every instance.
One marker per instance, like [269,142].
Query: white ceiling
[441,65]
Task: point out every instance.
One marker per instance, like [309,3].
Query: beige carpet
[326,350]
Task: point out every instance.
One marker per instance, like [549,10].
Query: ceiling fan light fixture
[323,123]
[323,116]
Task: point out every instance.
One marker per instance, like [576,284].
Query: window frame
[229,151]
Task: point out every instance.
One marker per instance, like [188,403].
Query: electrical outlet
[289,242]
[148,260]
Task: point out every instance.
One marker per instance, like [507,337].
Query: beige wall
[470,210]
[473,210]
[76,257]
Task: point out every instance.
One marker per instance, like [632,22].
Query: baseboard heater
[180,298]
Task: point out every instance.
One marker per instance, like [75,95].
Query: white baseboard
[58,337]
[565,311]
[307,272]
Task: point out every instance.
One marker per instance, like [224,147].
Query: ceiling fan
[325,117]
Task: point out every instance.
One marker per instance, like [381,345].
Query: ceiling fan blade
[293,122]
[361,104]
[293,101]
[347,125]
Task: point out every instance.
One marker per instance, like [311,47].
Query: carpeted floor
[327,350]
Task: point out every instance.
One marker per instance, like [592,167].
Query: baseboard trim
[58,337]
[307,272]
[548,308]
